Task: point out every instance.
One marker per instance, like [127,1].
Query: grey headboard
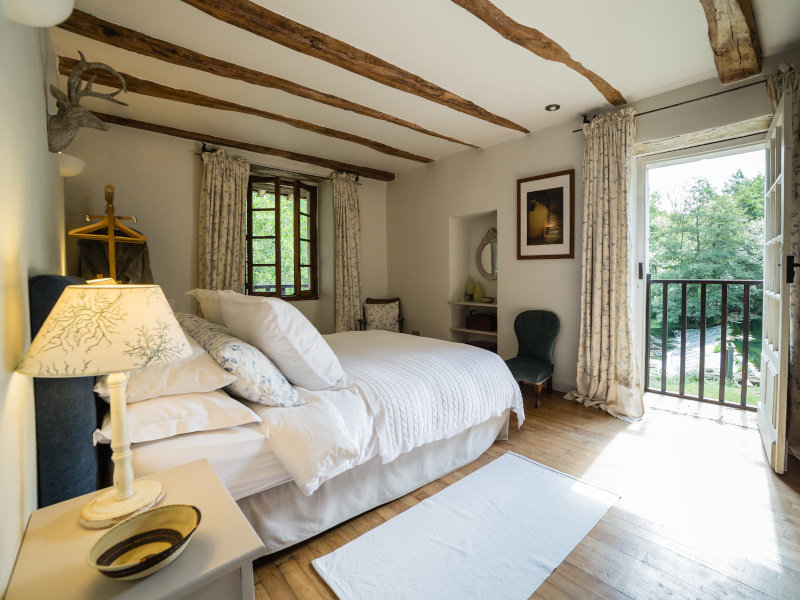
[66,413]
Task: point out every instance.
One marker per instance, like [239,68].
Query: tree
[699,233]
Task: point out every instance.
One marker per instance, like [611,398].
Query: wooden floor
[701,515]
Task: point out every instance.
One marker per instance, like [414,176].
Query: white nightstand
[217,563]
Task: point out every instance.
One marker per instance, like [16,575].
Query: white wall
[31,242]
[421,202]
[157,179]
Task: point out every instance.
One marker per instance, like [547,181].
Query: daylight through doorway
[704,286]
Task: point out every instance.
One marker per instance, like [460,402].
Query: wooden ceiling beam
[86,25]
[538,43]
[258,149]
[261,21]
[733,35]
[157,90]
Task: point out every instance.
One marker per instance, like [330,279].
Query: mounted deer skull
[71,116]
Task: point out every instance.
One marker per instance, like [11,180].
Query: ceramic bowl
[487,300]
[144,543]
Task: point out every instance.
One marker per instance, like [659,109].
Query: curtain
[347,220]
[608,376]
[223,222]
[788,78]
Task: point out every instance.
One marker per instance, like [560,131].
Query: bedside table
[217,563]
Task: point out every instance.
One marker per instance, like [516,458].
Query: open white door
[778,273]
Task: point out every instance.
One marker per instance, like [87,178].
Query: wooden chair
[537,331]
[373,301]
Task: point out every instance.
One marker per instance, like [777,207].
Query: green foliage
[699,233]
[264,250]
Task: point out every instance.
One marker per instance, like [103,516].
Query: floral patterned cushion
[385,317]
[258,379]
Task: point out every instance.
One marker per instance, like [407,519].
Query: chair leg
[538,388]
[550,383]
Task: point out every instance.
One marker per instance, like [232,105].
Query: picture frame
[546,216]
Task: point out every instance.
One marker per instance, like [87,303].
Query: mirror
[489,258]
[486,255]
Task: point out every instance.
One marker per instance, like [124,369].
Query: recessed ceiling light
[552,107]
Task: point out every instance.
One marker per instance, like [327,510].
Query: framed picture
[546,216]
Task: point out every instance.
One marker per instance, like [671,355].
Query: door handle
[790,267]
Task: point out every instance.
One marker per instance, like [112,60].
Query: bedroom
[408,224]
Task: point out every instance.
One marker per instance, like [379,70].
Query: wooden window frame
[313,292]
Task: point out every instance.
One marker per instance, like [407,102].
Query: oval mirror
[486,255]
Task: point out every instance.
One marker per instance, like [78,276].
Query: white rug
[497,533]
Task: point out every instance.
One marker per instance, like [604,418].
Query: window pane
[304,201]
[305,253]
[262,199]
[287,245]
[304,221]
[264,279]
[264,252]
[264,223]
[305,278]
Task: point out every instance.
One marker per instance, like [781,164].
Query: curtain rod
[647,112]
[319,177]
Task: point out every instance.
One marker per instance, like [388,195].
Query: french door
[778,274]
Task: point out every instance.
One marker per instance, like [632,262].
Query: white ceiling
[641,48]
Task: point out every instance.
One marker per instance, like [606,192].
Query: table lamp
[109,329]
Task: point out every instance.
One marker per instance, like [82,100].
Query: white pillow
[209,305]
[258,379]
[168,416]
[281,332]
[198,373]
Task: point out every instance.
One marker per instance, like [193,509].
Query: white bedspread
[421,389]
[406,392]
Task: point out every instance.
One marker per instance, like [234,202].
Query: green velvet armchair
[537,331]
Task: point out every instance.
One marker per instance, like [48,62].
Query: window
[282,238]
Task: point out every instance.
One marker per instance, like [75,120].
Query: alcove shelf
[476,331]
[465,303]
[466,234]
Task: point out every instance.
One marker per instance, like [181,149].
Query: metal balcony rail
[723,361]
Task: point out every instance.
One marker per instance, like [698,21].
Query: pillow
[167,416]
[281,332]
[385,317]
[209,305]
[198,373]
[257,379]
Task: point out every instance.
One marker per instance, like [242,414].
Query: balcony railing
[697,292]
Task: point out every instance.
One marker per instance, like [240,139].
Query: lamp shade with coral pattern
[100,329]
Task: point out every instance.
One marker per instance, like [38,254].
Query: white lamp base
[104,511]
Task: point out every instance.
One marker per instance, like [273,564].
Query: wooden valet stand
[110,224]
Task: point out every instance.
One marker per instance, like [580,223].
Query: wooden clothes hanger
[109,223]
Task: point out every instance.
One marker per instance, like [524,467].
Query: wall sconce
[38,13]
[69,166]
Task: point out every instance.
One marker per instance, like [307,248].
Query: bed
[410,410]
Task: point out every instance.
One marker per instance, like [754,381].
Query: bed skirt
[282,516]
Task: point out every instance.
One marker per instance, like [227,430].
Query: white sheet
[497,533]
[329,434]
[241,457]
[422,390]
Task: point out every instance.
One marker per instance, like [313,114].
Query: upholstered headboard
[66,413]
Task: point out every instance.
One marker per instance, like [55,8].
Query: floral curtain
[223,222]
[608,375]
[347,220]
[788,78]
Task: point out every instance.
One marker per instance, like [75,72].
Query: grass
[733,390]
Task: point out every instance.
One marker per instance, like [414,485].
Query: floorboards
[701,514]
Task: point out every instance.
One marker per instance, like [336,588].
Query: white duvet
[407,391]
